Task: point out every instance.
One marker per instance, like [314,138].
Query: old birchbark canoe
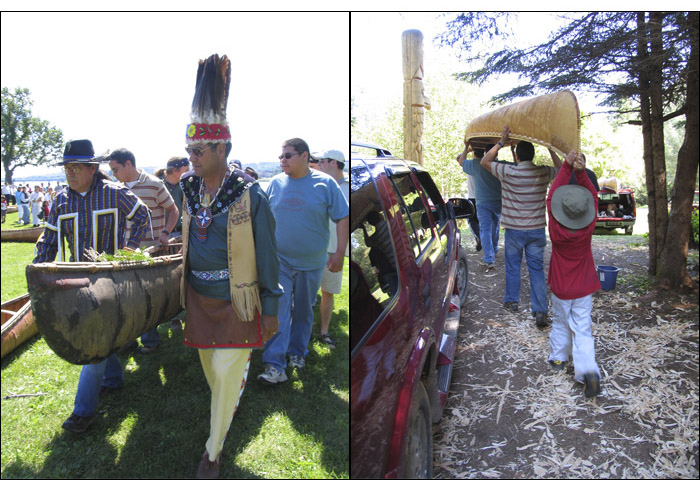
[551,120]
[18,324]
[22,235]
[88,310]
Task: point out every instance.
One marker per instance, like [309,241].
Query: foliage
[453,105]
[26,140]
[120,255]
[592,51]
[694,223]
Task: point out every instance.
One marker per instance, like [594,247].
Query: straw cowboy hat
[572,206]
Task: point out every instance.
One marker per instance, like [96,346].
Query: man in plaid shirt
[90,213]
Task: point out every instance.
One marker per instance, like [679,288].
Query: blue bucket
[608,276]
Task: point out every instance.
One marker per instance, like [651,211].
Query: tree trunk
[673,261]
[645,117]
[657,131]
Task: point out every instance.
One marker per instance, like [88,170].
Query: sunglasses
[195,150]
[286,156]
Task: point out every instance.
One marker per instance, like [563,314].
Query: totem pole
[414,99]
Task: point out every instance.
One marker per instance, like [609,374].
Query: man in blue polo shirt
[488,203]
[302,201]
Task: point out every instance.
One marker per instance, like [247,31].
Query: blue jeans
[151,338]
[295,315]
[533,243]
[489,214]
[92,378]
[26,217]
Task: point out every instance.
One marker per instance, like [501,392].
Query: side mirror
[462,208]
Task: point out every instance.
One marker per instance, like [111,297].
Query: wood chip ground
[510,416]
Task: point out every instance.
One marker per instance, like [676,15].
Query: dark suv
[408,280]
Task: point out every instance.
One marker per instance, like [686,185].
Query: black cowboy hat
[78,151]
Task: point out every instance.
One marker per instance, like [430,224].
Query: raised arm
[555,160]
[490,156]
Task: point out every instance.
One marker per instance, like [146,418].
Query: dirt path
[510,416]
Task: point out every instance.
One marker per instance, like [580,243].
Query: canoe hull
[87,311]
[22,235]
[18,324]
[551,120]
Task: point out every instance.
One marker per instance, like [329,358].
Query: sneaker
[541,319]
[488,265]
[297,362]
[326,339]
[272,375]
[478,246]
[557,365]
[175,324]
[511,307]
[591,383]
[78,424]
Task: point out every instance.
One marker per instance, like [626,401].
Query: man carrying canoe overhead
[524,210]
[230,282]
[90,213]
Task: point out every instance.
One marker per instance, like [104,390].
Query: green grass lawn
[156,427]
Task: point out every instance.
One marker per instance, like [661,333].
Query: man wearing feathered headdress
[230,285]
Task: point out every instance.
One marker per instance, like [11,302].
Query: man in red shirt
[572,274]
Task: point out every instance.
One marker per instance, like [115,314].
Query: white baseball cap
[336,155]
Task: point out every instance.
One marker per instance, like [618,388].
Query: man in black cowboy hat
[71,217]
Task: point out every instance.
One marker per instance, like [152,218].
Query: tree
[641,64]
[26,140]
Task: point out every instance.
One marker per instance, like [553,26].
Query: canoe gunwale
[29,235]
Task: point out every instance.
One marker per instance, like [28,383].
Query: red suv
[408,279]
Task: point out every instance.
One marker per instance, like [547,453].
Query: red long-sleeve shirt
[572,272]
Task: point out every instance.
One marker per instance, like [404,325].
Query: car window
[438,207]
[373,274]
[414,213]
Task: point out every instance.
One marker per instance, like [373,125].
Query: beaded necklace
[204,217]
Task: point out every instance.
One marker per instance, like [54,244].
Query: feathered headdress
[208,118]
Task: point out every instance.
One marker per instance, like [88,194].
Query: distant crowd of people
[33,204]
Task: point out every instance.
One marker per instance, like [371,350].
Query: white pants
[571,334]
[36,209]
[226,371]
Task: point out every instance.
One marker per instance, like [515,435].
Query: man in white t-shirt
[331,162]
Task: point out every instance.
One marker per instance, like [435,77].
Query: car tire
[628,230]
[462,276]
[418,456]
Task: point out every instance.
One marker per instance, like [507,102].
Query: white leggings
[226,371]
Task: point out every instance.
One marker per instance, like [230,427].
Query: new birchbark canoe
[18,324]
[12,209]
[31,234]
[551,120]
[88,310]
